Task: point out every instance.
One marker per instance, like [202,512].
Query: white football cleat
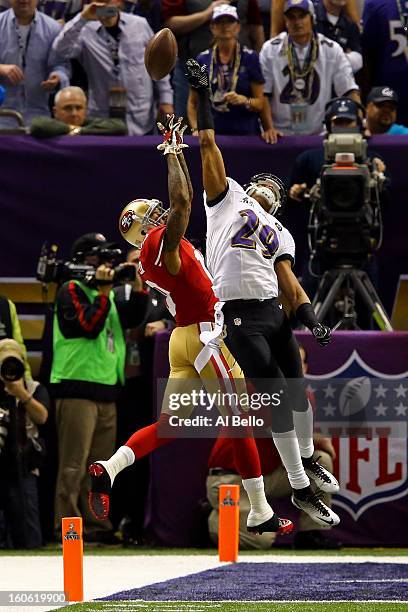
[316,509]
[322,477]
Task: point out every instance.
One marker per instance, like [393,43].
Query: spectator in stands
[301,68]
[190,20]
[222,471]
[29,68]
[384,42]
[352,11]
[235,76]
[70,110]
[381,113]
[135,407]
[61,10]
[24,405]
[332,22]
[87,373]
[111,49]
[10,328]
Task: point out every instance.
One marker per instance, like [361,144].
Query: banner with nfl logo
[360,387]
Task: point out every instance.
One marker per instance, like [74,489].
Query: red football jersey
[189,295]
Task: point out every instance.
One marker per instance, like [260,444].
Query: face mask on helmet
[270,188]
[138,217]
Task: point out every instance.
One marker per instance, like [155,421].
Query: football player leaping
[250,256]
[171,264]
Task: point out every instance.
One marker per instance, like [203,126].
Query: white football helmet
[270,187]
[138,217]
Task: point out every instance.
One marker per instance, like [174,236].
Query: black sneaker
[315,508]
[314,540]
[322,477]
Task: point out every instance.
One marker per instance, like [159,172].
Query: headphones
[328,114]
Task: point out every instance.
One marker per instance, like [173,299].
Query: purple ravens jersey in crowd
[385,44]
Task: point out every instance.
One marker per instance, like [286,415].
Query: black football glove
[322,334]
[197,75]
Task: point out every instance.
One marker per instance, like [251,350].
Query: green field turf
[222,606]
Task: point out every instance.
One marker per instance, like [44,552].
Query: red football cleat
[274,524]
[99,495]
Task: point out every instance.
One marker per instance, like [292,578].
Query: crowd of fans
[271,86]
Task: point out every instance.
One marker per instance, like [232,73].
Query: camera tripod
[350,281]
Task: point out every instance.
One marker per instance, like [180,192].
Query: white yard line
[104,575]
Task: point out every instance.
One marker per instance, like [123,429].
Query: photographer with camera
[88,369]
[23,405]
[346,187]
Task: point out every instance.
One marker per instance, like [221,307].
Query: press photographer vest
[97,360]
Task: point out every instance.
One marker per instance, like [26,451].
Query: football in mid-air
[161,54]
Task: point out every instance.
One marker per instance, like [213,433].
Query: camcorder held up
[53,270]
[345,224]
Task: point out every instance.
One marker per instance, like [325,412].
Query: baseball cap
[304,5]
[93,241]
[343,108]
[225,10]
[382,94]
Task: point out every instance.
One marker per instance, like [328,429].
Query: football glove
[322,334]
[172,136]
[197,75]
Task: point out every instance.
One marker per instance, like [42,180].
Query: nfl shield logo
[237,321]
[365,413]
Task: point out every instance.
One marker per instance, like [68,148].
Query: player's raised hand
[322,334]
[173,134]
[197,75]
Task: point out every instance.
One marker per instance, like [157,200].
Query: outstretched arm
[214,177]
[299,302]
[184,167]
[179,215]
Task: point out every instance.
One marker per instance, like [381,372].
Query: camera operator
[87,373]
[23,405]
[343,115]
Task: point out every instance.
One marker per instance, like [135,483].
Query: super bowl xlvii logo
[71,534]
[365,413]
[228,501]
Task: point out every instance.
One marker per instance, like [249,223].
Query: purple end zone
[281,581]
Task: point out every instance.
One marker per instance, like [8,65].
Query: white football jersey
[332,70]
[243,244]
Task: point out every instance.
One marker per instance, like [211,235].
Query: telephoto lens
[11,369]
